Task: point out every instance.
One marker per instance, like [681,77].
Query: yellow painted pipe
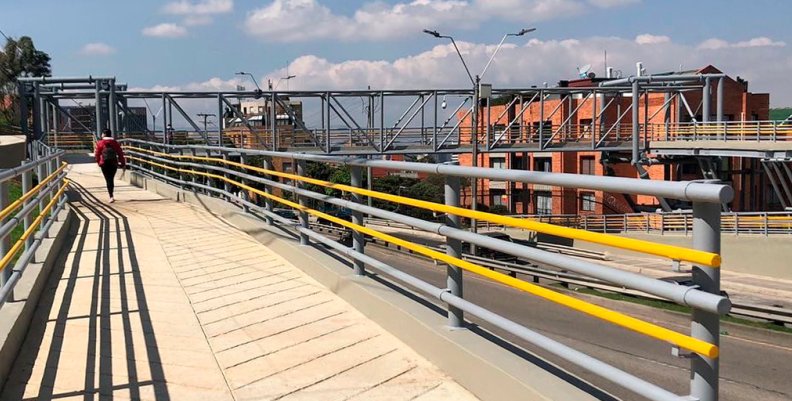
[17,203]
[647,247]
[31,229]
[619,319]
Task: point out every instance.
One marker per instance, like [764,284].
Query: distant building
[753,191]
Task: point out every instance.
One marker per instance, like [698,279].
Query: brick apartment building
[753,191]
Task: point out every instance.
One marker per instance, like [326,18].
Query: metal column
[454,249]
[268,165]
[705,326]
[303,215]
[5,243]
[358,240]
[635,126]
[705,101]
[221,121]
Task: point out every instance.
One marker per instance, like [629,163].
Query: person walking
[109,156]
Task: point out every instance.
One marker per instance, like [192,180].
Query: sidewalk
[158,300]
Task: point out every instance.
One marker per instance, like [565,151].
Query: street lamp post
[258,88]
[475,116]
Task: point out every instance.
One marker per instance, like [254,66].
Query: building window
[496,197]
[518,162]
[497,162]
[543,164]
[587,201]
[587,165]
[544,202]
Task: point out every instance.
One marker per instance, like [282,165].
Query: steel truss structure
[395,121]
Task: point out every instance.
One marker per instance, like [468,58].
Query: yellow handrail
[648,247]
[17,203]
[619,319]
[33,226]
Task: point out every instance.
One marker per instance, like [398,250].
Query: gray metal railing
[213,171]
[34,211]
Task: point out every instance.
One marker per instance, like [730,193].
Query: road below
[755,363]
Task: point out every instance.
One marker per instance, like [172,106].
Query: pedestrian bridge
[188,288]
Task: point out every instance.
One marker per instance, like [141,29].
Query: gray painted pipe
[25,259]
[682,190]
[620,377]
[6,174]
[12,222]
[680,294]
[659,78]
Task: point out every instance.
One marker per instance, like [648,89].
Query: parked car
[487,253]
[343,214]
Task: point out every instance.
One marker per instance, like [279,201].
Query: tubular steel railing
[760,223]
[231,174]
[35,210]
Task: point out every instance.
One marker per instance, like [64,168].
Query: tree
[20,58]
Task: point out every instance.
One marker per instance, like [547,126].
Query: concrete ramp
[158,300]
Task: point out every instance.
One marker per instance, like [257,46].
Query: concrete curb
[488,370]
[15,317]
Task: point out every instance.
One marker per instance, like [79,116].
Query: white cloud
[302,20]
[196,20]
[763,41]
[97,49]
[532,63]
[167,30]
[649,39]
[613,3]
[205,7]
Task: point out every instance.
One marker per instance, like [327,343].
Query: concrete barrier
[487,369]
[16,315]
[12,147]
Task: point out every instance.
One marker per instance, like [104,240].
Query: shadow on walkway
[117,310]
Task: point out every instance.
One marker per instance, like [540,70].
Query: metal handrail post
[302,201]
[267,164]
[27,184]
[5,243]
[706,325]
[243,192]
[454,249]
[358,240]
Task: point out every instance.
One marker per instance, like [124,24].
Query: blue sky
[354,44]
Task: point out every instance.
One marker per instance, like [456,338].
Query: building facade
[572,118]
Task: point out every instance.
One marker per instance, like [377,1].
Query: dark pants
[109,171]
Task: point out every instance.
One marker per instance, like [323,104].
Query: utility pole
[205,116]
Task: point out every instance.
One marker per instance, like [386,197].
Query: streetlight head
[433,33]
[524,31]
[241,73]
[291,76]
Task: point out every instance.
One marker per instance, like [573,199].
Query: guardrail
[35,211]
[772,314]
[224,172]
[759,223]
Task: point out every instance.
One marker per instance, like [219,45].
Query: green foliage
[20,58]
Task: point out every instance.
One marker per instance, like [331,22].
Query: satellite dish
[583,71]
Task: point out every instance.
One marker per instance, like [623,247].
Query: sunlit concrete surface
[158,300]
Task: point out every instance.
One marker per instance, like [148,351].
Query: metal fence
[241,176]
[34,212]
[746,223]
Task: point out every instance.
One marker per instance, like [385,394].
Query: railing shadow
[115,257]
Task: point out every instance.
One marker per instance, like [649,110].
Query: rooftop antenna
[583,71]
[606,60]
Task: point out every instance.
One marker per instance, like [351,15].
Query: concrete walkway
[158,300]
